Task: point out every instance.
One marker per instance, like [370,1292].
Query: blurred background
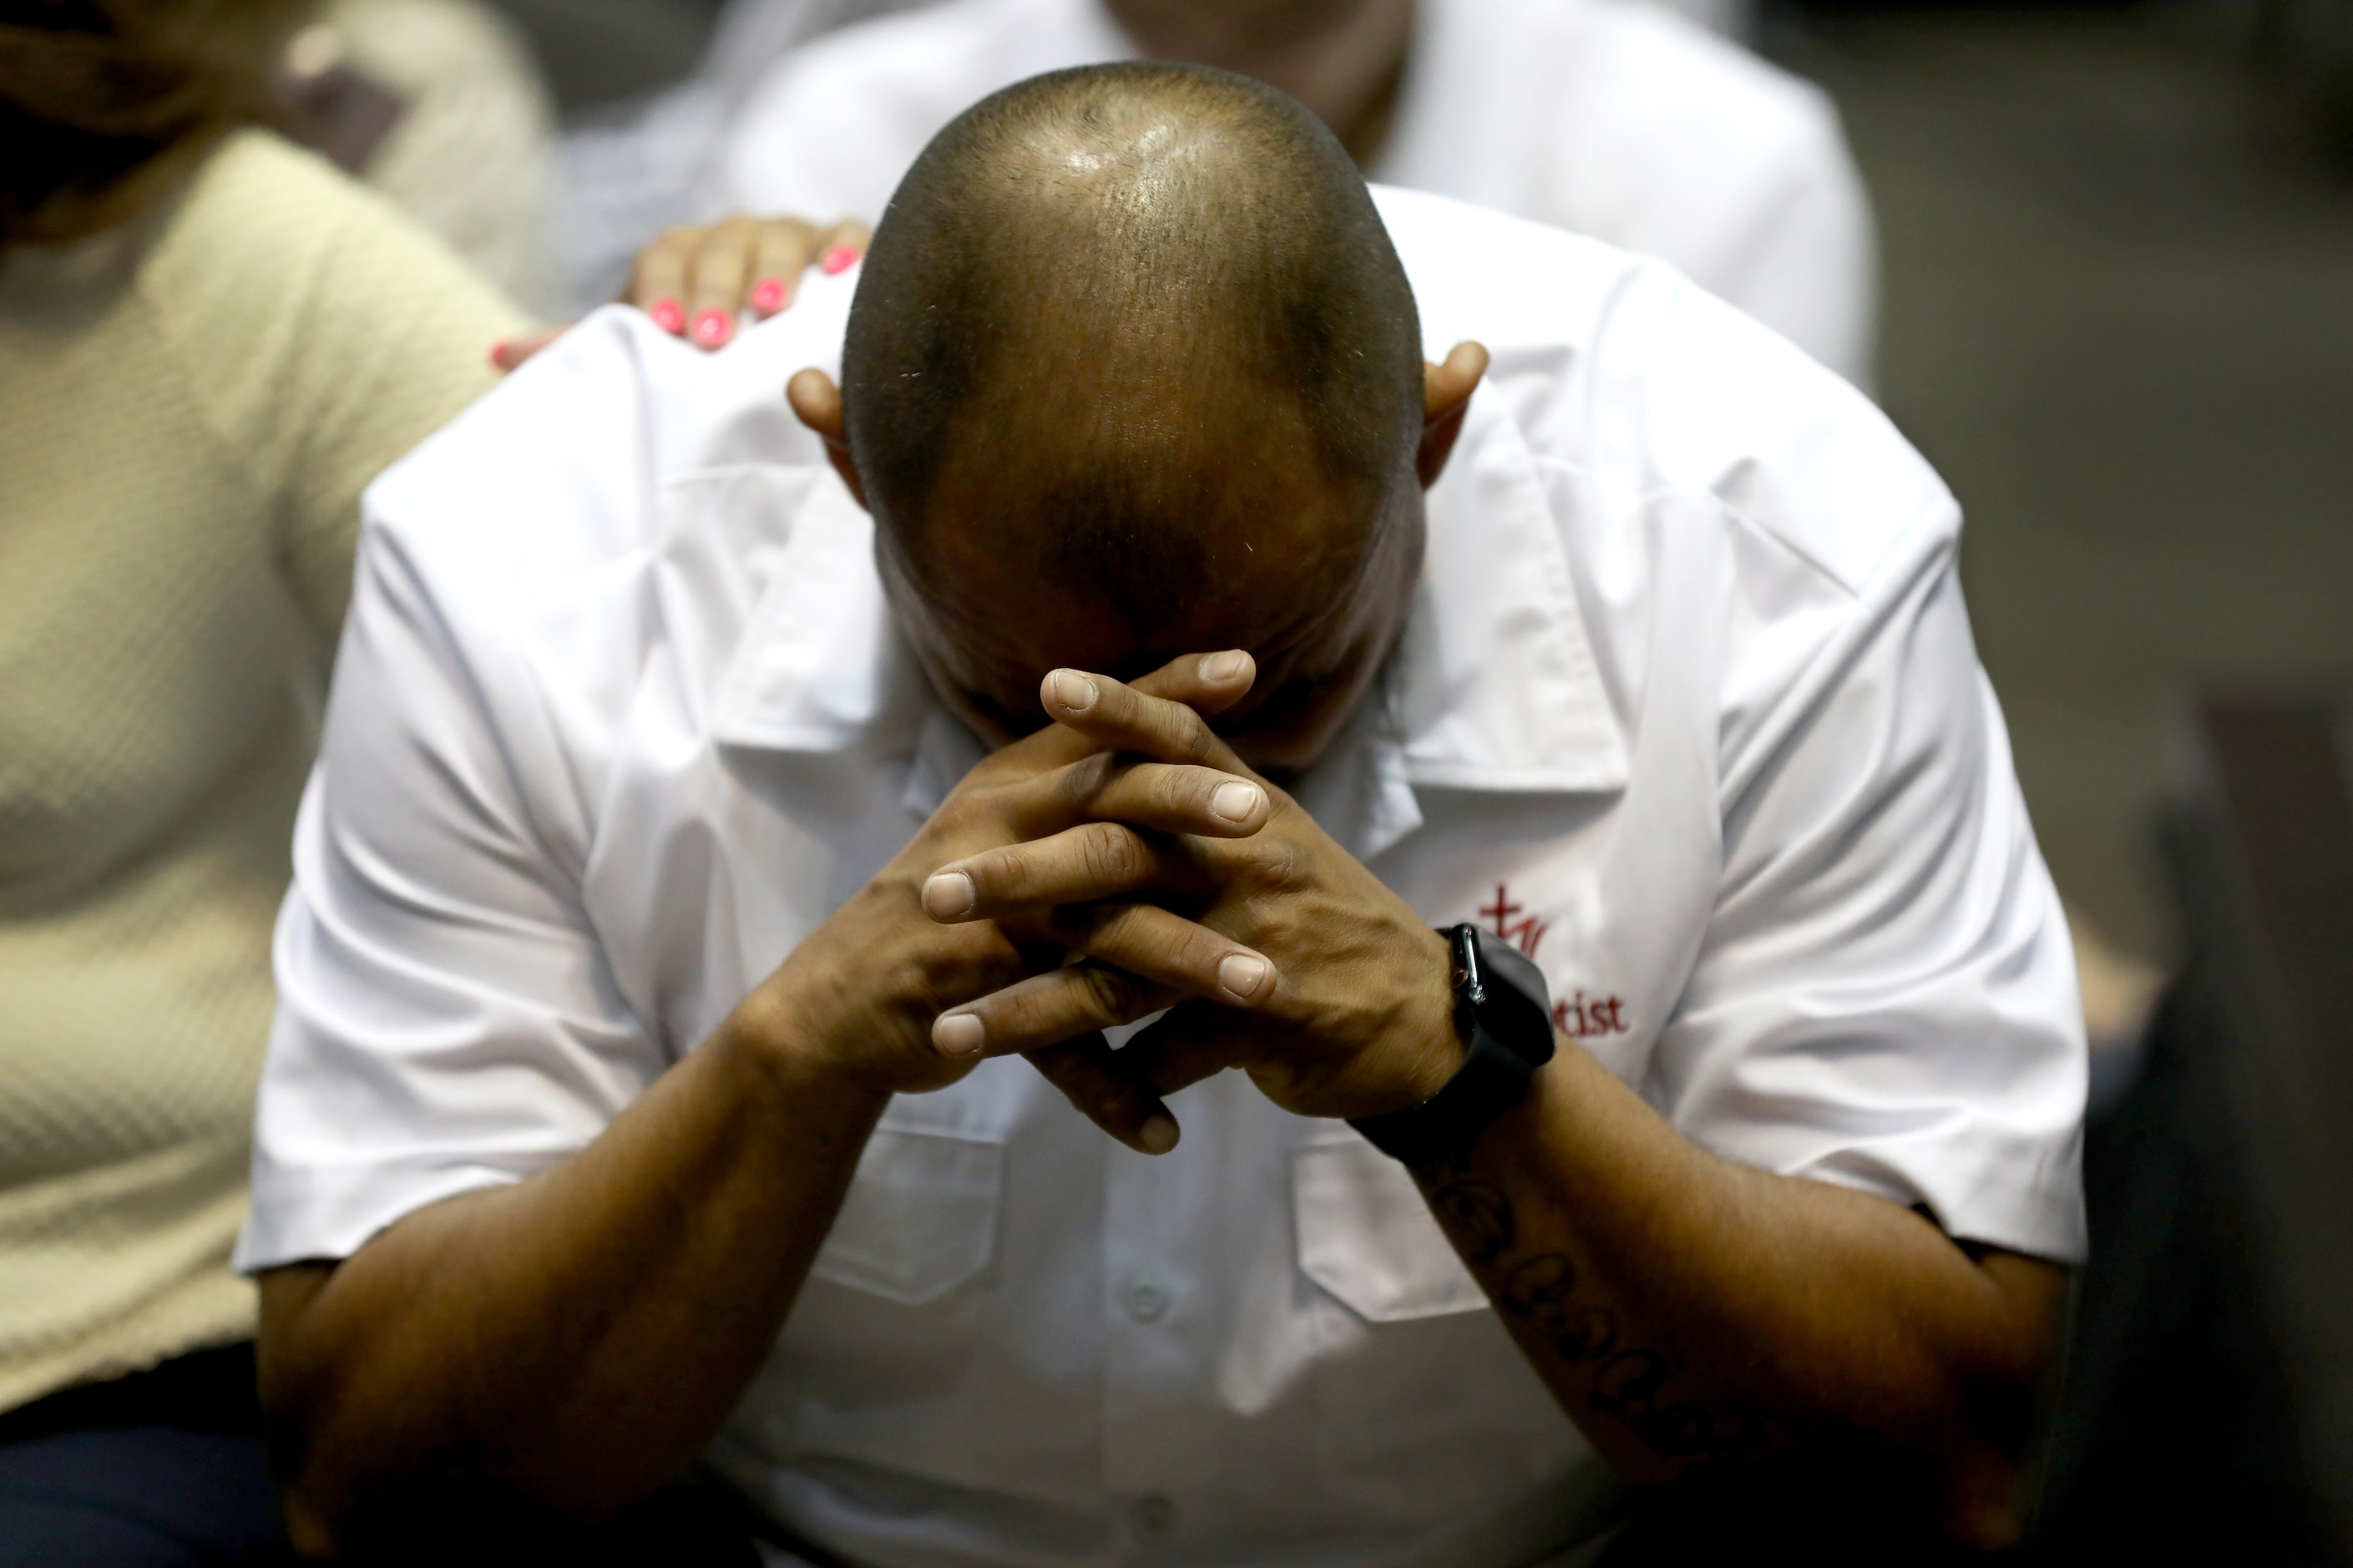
[2117,249]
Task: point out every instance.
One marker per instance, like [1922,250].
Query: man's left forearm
[1687,1312]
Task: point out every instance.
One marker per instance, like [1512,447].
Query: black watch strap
[1502,1015]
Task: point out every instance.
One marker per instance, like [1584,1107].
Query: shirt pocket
[1367,1236]
[1426,1414]
[920,1218]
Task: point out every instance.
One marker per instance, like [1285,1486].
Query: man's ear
[1445,398]
[818,404]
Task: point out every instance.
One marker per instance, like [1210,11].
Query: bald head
[1137,331]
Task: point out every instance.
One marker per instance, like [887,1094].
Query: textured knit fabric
[188,411]
[472,155]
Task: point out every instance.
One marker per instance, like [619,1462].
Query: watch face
[1518,1009]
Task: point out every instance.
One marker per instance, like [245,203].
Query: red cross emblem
[1524,934]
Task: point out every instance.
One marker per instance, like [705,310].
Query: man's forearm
[574,1340]
[1688,1312]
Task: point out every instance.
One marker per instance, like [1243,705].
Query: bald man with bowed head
[1557,776]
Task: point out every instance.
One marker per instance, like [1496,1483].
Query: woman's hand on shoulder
[698,282]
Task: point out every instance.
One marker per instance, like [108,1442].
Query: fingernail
[949,894]
[1235,801]
[1157,1135]
[1223,667]
[768,294]
[503,355]
[712,327]
[1242,974]
[840,258]
[958,1034]
[1072,690]
[669,315]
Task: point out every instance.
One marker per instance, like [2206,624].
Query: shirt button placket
[1145,1301]
[1148,1372]
[1150,1518]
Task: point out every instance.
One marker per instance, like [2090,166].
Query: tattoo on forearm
[1627,1381]
[1479,1216]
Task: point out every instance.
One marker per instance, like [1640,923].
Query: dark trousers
[164,1468]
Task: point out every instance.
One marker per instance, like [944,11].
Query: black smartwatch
[1503,1014]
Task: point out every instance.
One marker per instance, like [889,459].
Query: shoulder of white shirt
[1617,361]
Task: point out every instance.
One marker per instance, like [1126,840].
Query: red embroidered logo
[1575,1016]
[1526,934]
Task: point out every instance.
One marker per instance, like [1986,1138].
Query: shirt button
[1154,1517]
[1146,1302]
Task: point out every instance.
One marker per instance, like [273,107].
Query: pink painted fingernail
[712,327]
[768,294]
[840,259]
[669,315]
[503,355]
[958,1034]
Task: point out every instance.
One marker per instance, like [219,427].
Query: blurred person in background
[210,342]
[1618,118]
[439,105]
[629,170]
[636,169]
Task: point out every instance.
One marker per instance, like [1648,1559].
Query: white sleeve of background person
[829,130]
[1805,260]
[1731,168]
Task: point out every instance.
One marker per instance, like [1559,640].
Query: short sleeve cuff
[331,1211]
[1996,1189]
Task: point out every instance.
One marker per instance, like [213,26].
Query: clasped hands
[1122,862]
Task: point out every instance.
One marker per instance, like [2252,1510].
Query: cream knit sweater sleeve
[188,412]
[321,370]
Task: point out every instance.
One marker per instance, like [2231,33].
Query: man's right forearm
[573,1340]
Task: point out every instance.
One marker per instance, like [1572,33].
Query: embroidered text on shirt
[1575,1016]
[1582,1019]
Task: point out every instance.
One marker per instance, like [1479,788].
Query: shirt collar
[1493,686]
[822,665]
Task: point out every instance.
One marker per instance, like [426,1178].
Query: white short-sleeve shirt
[1687,707]
[1618,119]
